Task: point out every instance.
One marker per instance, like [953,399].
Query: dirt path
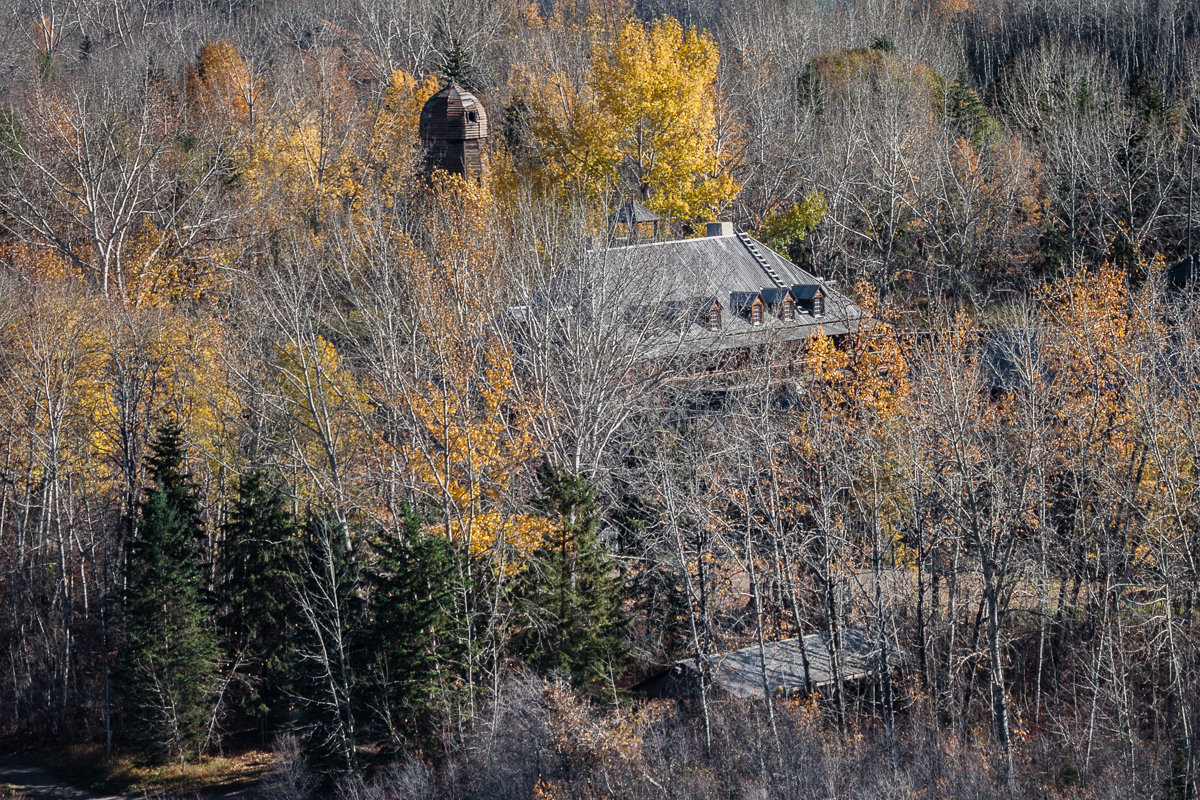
[34,783]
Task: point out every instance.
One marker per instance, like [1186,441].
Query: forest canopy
[310,447]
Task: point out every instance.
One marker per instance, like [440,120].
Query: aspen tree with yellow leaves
[394,146]
[50,357]
[304,165]
[642,124]
[868,377]
[658,82]
[296,377]
[473,430]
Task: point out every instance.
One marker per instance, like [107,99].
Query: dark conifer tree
[170,653]
[256,551]
[328,615]
[454,60]
[970,114]
[573,591]
[418,645]
[456,64]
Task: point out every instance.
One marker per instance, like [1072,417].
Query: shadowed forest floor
[22,781]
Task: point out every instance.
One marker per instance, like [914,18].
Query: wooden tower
[453,129]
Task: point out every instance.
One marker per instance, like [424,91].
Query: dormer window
[709,315]
[749,305]
[810,298]
[779,302]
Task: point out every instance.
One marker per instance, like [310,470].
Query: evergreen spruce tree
[418,641]
[328,616]
[454,62]
[170,653]
[256,552]
[573,591]
[970,114]
[653,590]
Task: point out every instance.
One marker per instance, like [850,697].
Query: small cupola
[633,222]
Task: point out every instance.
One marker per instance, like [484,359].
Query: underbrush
[543,742]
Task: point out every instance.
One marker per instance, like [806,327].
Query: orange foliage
[219,87]
[869,378]
[946,9]
[34,261]
[1092,309]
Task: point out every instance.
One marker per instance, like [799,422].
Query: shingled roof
[779,666]
[453,114]
[730,267]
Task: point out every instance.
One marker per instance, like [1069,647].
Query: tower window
[472,116]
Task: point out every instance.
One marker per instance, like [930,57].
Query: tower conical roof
[453,114]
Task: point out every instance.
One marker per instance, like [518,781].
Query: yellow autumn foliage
[323,411]
[182,360]
[471,456]
[298,168]
[477,434]
[643,123]
[319,159]
[394,144]
[49,364]
[869,377]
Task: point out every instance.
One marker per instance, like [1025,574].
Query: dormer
[810,297]
[749,305]
[780,303]
[710,313]
[683,314]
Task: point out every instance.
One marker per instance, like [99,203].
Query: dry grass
[10,793]
[86,765]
